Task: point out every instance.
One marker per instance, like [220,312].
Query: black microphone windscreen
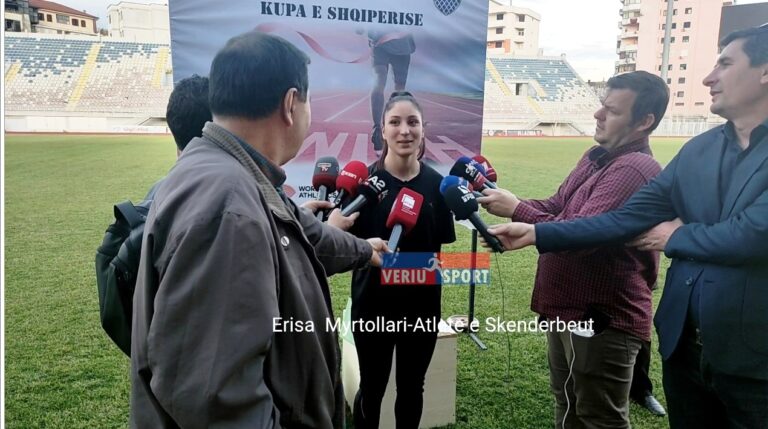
[461,201]
[375,187]
[458,169]
[371,191]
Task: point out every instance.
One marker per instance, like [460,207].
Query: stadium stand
[539,93]
[58,83]
[86,74]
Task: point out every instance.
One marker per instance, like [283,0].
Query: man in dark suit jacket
[708,212]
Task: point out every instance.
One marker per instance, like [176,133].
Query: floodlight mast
[667,38]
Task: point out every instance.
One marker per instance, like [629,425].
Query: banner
[360,51]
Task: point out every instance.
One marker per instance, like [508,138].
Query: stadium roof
[56,7]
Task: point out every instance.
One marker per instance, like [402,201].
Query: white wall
[61,123]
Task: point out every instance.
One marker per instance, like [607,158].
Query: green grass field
[61,370]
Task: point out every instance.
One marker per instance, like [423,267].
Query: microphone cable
[504,316]
[508,378]
[565,385]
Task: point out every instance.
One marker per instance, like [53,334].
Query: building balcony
[626,48]
[625,61]
[626,68]
[629,21]
[631,34]
[631,8]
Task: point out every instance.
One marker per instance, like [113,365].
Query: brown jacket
[223,256]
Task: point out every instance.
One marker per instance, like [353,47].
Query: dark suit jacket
[722,249]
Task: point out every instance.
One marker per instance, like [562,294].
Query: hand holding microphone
[464,206]
[499,202]
[379,247]
[404,215]
[513,235]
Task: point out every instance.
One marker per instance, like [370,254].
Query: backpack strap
[128,212]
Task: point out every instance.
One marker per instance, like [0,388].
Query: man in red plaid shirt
[591,376]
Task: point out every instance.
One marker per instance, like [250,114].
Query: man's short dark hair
[188,109]
[251,74]
[755,43]
[652,95]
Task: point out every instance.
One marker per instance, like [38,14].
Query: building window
[659,67]
[688,10]
[669,80]
[62,19]
[680,94]
[681,80]
[698,103]
[683,66]
[686,39]
[500,30]
[75,22]
[498,44]
[499,17]
[520,32]
[48,18]
[520,18]
[674,12]
[82,23]
[12,25]
[40,17]
[679,104]
[686,24]
[664,26]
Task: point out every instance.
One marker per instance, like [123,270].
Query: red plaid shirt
[616,280]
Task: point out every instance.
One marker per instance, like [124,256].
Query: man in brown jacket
[231,302]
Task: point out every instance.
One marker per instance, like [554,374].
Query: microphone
[373,190]
[464,206]
[478,166]
[349,178]
[490,172]
[324,179]
[404,214]
[459,181]
[464,168]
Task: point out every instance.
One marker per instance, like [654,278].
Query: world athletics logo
[415,268]
[447,7]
